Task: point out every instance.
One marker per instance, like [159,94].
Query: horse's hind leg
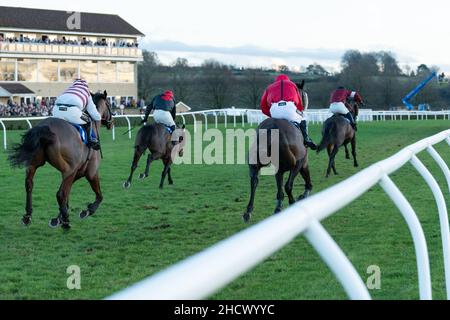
[290,183]
[169,176]
[137,155]
[330,149]
[332,152]
[92,208]
[254,171]
[304,171]
[31,171]
[63,197]
[164,173]
[347,154]
[355,162]
[150,159]
[280,193]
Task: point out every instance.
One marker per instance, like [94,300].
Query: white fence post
[443,217]
[129,127]
[420,244]
[336,260]
[4,135]
[441,164]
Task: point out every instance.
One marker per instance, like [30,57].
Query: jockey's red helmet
[282,77]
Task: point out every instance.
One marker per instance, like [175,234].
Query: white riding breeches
[338,107]
[287,111]
[164,117]
[70,114]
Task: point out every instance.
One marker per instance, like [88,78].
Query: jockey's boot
[350,118]
[303,126]
[91,141]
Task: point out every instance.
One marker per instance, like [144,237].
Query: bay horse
[337,131]
[57,142]
[161,145]
[293,158]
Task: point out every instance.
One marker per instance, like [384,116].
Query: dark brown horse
[57,142]
[293,158]
[162,145]
[337,131]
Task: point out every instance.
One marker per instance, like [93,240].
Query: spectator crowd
[12,109]
[65,41]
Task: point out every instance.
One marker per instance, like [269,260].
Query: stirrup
[309,143]
[94,144]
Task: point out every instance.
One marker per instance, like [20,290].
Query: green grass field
[140,231]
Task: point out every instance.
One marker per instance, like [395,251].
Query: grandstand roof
[13,89]
[52,20]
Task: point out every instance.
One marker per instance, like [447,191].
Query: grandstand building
[44,50]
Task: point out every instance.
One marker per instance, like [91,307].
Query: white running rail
[205,273]
[253,116]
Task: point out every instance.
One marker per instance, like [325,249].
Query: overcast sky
[292,32]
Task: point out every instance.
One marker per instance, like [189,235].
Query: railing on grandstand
[207,272]
[67,49]
[251,117]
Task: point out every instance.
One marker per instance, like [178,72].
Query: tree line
[376,75]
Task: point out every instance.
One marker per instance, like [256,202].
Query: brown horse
[336,132]
[58,142]
[293,158]
[161,145]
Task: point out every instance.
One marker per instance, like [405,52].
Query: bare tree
[217,82]
[254,83]
[147,70]
[180,79]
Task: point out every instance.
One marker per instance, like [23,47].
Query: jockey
[282,100]
[70,106]
[339,103]
[165,110]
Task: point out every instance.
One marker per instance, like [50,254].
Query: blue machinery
[416,90]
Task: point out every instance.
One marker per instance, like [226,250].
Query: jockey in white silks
[70,106]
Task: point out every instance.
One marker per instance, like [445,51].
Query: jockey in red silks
[340,103]
[282,100]
[76,106]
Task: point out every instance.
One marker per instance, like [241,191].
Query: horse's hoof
[302,197]
[26,221]
[142,176]
[126,185]
[356,165]
[66,226]
[246,217]
[277,211]
[170,183]
[161,187]
[54,223]
[84,214]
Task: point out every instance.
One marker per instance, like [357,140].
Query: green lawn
[140,231]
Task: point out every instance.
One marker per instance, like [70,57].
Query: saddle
[82,133]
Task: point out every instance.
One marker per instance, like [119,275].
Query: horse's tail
[329,132]
[34,140]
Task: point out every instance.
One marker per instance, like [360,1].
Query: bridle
[106,120]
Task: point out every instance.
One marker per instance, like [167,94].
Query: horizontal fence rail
[207,272]
[243,117]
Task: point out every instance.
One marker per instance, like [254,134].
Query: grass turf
[140,231]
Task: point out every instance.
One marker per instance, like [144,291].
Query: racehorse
[293,158]
[162,145]
[58,142]
[337,131]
